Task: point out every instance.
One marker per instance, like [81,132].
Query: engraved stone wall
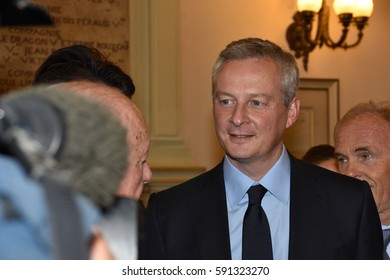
[103,24]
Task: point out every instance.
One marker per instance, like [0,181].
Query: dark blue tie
[256,235]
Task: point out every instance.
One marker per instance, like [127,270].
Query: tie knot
[256,194]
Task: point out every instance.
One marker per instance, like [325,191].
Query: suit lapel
[210,217]
[308,214]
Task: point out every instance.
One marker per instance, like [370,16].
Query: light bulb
[363,8]
[344,6]
[309,5]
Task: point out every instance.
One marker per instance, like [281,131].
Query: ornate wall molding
[154,64]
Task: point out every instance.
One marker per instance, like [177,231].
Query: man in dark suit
[362,151]
[305,212]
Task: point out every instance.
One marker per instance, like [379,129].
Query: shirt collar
[277,180]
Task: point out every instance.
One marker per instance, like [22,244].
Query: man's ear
[293,112]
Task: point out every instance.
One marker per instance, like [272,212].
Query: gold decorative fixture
[299,35]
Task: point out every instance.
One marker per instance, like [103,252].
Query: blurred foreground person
[323,156]
[62,158]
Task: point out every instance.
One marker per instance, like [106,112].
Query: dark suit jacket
[331,217]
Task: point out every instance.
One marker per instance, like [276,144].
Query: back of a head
[263,49]
[319,153]
[79,62]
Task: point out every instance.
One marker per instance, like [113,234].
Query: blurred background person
[62,158]
[362,149]
[323,156]
[86,71]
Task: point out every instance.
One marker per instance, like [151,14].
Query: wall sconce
[299,35]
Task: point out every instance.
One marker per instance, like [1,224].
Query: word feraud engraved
[85,21]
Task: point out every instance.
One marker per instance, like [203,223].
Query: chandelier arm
[331,44]
[321,28]
[360,23]
[342,41]
[308,18]
[359,39]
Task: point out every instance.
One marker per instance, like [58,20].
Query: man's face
[138,171]
[250,115]
[362,148]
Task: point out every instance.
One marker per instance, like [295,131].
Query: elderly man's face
[139,171]
[362,148]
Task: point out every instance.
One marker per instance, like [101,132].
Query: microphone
[67,144]
[56,129]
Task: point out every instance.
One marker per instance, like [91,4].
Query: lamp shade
[363,8]
[309,5]
[344,6]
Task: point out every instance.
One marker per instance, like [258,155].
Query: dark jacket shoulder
[202,182]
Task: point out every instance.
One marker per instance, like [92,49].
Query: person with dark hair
[86,71]
[323,156]
[260,202]
[82,63]
[362,144]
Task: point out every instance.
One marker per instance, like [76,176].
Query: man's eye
[225,101]
[365,156]
[257,103]
[341,159]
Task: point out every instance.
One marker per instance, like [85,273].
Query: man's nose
[240,115]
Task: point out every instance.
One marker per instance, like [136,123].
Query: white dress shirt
[276,204]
